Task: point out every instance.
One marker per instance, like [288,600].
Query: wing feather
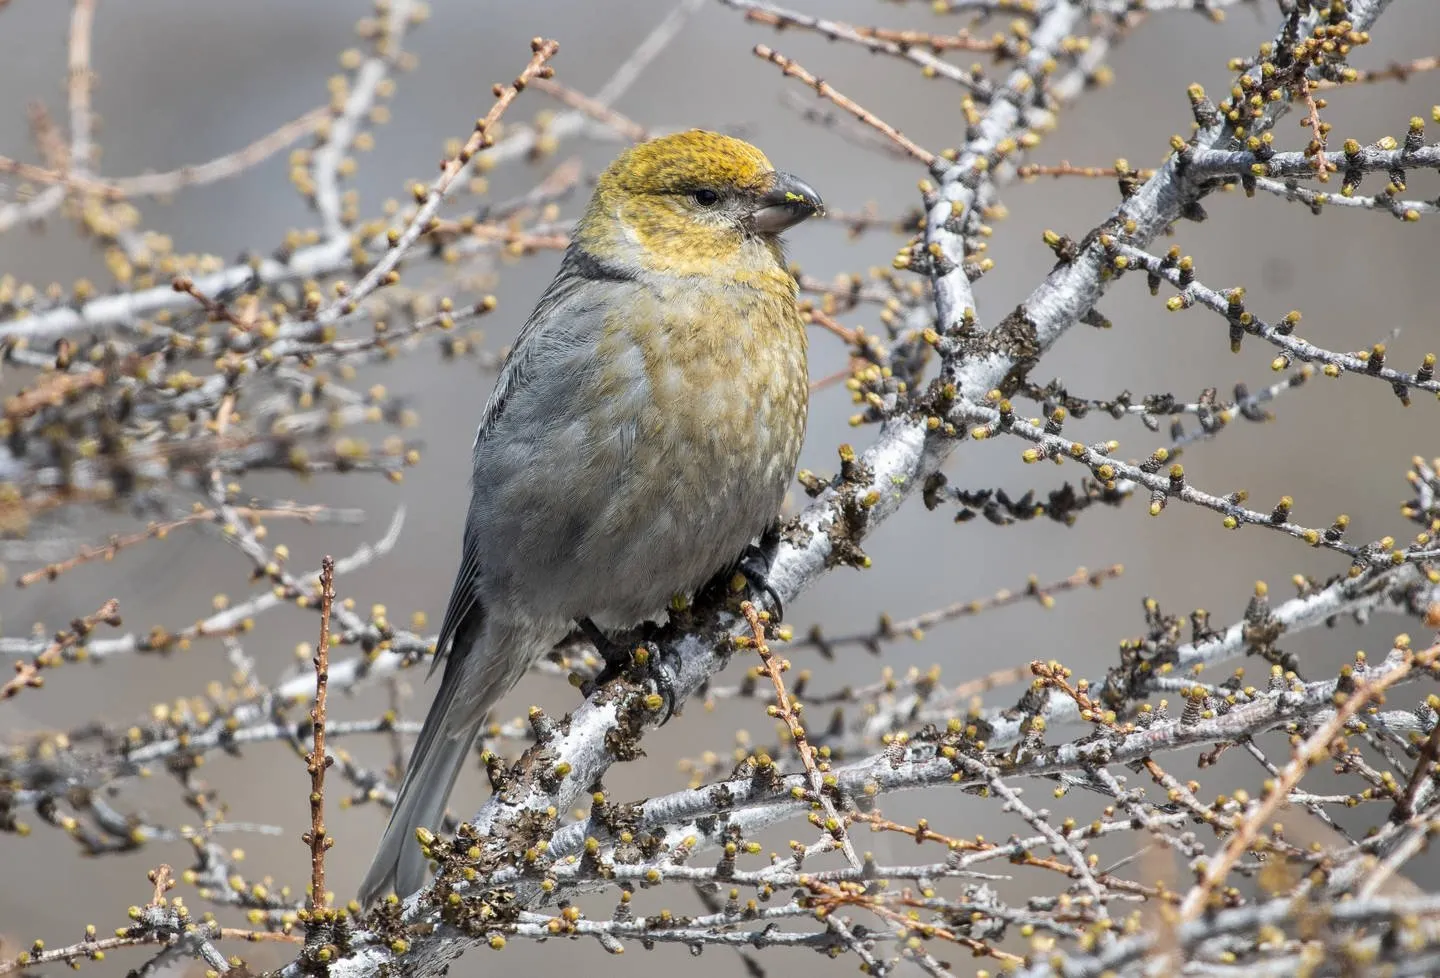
[551,327]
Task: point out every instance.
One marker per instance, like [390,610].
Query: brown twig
[825,322]
[1034,590]
[1424,770]
[1399,71]
[317,761]
[1065,169]
[516,240]
[829,380]
[921,832]
[50,391]
[1054,675]
[1319,128]
[221,167]
[792,69]
[915,626]
[171,181]
[164,882]
[830,897]
[47,136]
[28,673]
[789,712]
[95,949]
[1314,748]
[81,87]
[430,198]
[904,39]
[872,40]
[217,311]
[866,350]
[158,531]
[959,41]
[869,218]
[600,112]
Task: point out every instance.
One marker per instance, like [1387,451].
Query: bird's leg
[610,650]
[619,655]
[755,564]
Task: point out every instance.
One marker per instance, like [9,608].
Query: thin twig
[158,531]
[318,760]
[346,123]
[451,170]
[169,181]
[1314,748]
[27,674]
[1399,71]
[825,90]
[1064,168]
[600,112]
[82,78]
[163,881]
[907,45]
[787,710]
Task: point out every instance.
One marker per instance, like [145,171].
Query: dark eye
[705,197]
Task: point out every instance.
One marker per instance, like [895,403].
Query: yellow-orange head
[694,203]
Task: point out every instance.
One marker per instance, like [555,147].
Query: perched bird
[640,436]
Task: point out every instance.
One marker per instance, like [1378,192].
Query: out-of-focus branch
[172,181]
[340,135]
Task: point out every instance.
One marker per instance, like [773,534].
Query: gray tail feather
[399,866]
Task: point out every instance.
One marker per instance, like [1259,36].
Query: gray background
[181,81]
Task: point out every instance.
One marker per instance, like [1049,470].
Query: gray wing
[562,322]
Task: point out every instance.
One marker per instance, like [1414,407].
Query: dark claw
[662,668]
[665,673]
[755,566]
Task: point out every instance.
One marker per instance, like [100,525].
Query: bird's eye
[705,197]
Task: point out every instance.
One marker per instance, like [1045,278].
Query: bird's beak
[789,201]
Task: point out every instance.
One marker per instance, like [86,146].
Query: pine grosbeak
[641,434]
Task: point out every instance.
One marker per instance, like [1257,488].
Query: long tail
[399,866]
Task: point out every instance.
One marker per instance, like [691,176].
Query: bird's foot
[635,654]
[755,564]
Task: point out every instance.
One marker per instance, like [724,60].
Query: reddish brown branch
[81,87]
[158,531]
[1065,169]
[170,181]
[788,712]
[1424,770]
[959,41]
[793,69]
[217,311]
[599,111]
[317,761]
[429,198]
[829,897]
[164,882]
[52,391]
[1315,748]
[827,323]
[1399,71]
[47,136]
[28,673]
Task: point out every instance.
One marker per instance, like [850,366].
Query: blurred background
[182,81]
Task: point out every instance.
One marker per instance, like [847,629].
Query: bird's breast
[706,393]
[718,374]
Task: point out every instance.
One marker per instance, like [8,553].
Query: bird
[640,437]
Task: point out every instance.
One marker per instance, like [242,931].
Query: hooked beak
[789,201]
